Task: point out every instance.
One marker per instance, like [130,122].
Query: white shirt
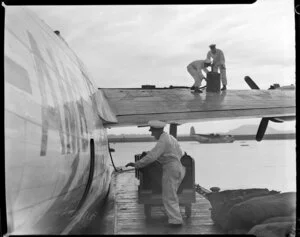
[199,65]
[218,57]
[166,150]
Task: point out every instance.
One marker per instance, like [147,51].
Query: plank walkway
[124,215]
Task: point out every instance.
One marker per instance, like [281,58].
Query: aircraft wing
[137,106]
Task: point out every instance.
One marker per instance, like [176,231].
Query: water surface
[243,164]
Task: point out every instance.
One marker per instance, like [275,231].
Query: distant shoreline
[120,139]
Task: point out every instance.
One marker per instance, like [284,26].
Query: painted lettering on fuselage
[66,96]
[41,82]
[83,124]
[90,89]
[70,112]
[73,115]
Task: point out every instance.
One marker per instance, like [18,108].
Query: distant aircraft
[57,163]
[211,138]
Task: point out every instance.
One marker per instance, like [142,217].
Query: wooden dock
[123,214]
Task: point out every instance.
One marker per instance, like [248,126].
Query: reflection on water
[267,164]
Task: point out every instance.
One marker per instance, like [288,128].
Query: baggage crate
[149,189]
[213,82]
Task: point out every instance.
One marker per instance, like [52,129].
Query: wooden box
[213,82]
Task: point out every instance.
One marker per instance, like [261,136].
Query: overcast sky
[133,45]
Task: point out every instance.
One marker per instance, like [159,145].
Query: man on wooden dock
[167,151]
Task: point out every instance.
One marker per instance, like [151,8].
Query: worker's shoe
[198,90]
[223,88]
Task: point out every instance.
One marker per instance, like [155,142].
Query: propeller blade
[262,129]
[251,83]
[264,122]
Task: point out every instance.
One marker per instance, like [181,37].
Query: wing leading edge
[178,105]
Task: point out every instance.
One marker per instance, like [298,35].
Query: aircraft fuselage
[56,155]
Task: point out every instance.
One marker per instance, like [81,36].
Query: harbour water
[243,164]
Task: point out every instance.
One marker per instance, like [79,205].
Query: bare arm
[205,70]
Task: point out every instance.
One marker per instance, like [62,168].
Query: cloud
[135,45]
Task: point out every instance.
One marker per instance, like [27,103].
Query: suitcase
[150,187]
[213,82]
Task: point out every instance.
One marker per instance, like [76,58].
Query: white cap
[156,124]
[207,61]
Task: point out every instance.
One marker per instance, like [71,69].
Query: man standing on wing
[218,62]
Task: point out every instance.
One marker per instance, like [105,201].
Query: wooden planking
[137,106]
[129,216]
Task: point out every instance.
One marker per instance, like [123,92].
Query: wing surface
[137,106]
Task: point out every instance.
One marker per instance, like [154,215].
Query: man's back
[218,56]
[197,64]
[171,149]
